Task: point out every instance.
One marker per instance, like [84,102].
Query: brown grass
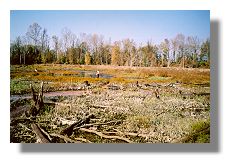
[140,112]
[121,74]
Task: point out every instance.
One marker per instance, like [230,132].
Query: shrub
[200,133]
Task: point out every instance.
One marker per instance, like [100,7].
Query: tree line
[36,47]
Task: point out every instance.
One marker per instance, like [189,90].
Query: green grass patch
[19,87]
[200,133]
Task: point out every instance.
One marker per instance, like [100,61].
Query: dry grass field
[123,105]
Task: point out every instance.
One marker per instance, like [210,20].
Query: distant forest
[37,47]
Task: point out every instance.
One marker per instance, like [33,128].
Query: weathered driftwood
[69,130]
[106,136]
[41,135]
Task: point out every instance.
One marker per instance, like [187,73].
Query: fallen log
[106,136]
[69,130]
[41,135]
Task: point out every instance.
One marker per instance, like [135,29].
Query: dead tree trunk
[37,102]
[41,135]
[69,130]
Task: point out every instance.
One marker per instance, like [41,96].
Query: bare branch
[106,136]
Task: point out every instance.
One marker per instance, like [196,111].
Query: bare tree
[128,49]
[44,45]
[18,44]
[25,43]
[44,40]
[174,48]
[68,41]
[180,41]
[115,58]
[193,45]
[56,45]
[33,33]
[164,50]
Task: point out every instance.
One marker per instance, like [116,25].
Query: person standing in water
[97,74]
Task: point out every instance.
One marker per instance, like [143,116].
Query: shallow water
[48,94]
[84,73]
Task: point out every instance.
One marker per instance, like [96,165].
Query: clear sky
[141,26]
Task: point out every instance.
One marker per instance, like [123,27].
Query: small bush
[200,133]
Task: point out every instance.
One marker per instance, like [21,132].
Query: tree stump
[37,102]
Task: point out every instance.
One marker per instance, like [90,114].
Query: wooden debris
[69,130]
[114,87]
[83,140]
[62,121]
[23,126]
[132,134]
[106,136]
[66,139]
[157,94]
[87,83]
[97,124]
[160,113]
[202,94]
[43,138]
[37,102]
[170,85]
[20,120]
[147,85]
[96,106]
[137,84]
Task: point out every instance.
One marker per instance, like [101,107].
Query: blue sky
[141,26]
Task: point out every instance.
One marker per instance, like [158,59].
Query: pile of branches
[74,132]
